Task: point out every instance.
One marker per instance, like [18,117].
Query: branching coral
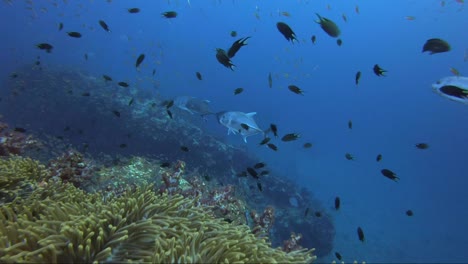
[60,223]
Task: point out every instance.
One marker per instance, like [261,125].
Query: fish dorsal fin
[251,114]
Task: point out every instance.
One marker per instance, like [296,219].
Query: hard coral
[71,167]
[264,222]
[172,178]
[61,223]
[292,243]
[13,142]
[225,204]
[126,175]
[222,200]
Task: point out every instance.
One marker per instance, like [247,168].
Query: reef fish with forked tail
[235,47]
[287,32]
[193,105]
[239,123]
[224,59]
[454,88]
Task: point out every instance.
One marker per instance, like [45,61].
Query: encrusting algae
[58,223]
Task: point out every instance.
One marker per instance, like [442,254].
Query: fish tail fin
[320,18]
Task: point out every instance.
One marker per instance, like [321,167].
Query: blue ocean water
[390,114]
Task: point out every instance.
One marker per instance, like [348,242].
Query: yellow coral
[60,223]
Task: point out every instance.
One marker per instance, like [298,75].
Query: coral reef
[292,243]
[89,124]
[13,142]
[60,223]
[223,200]
[264,222]
[225,204]
[172,179]
[316,231]
[127,174]
[72,167]
[144,128]
[18,177]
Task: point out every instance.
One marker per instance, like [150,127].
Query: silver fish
[193,105]
[237,122]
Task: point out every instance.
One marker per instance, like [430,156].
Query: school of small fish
[454,88]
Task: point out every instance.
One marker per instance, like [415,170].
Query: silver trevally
[239,123]
[454,88]
[193,105]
